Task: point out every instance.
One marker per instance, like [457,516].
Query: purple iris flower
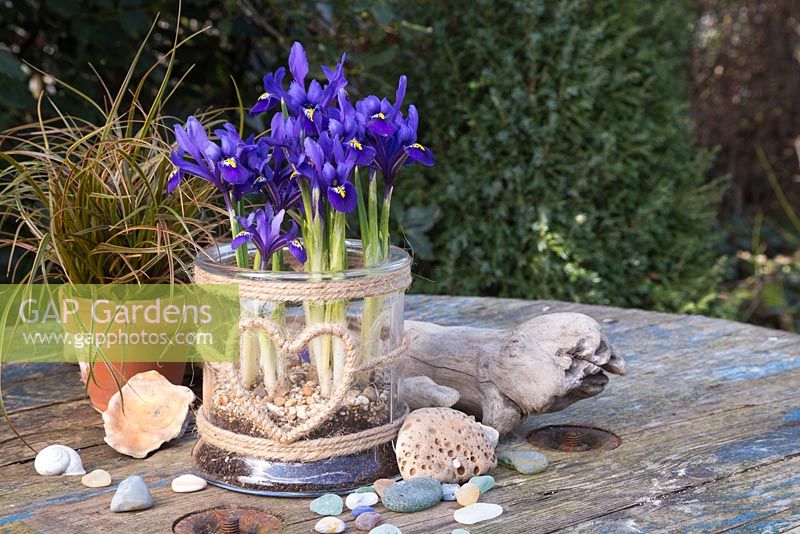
[230,165]
[380,115]
[273,92]
[399,147]
[263,228]
[193,141]
[309,103]
[341,192]
[347,126]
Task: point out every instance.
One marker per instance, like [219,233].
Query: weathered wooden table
[709,417]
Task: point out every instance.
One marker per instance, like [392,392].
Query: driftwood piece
[543,365]
[422,392]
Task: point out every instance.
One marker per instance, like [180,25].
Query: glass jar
[270,388]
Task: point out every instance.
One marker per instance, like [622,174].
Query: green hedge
[567,166]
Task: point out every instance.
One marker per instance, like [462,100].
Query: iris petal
[233,171]
[241,238]
[298,62]
[298,250]
[419,153]
[343,197]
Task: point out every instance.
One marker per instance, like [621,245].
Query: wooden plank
[27,385]
[766,499]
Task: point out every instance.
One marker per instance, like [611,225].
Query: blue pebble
[449,491]
[358,510]
[328,504]
[525,461]
[484,483]
[413,494]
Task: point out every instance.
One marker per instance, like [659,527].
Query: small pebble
[368,521]
[330,525]
[132,494]
[484,482]
[526,462]
[358,510]
[474,513]
[370,393]
[279,401]
[223,400]
[98,478]
[354,500]
[386,529]
[365,489]
[308,391]
[449,491]
[468,494]
[460,531]
[260,392]
[381,484]
[328,504]
[413,494]
[188,484]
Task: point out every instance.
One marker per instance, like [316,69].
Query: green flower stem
[241,252]
[375,243]
[336,312]
[248,359]
[384,245]
[273,363]
[314,240]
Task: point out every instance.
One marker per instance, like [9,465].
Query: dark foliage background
[746,71]
[568,165]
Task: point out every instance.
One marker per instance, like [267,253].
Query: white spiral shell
[58,460]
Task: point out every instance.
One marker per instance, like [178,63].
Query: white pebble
[475,513]
[330,525]
[98,478]
[355,500]
[188,484]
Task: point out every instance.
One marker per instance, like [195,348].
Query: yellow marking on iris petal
[419,146]
[379,115]
[230,162]
[355,144]
[243,233]
[175,170]
[264,96]
[310,114]
[340,189]
[294,173]
[298,244]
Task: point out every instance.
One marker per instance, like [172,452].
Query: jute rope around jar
[284,445]
[311,290]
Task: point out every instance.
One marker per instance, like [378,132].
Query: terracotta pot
[113,366]
[102,386]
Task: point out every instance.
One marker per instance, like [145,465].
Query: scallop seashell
[58,460]
[155,411]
